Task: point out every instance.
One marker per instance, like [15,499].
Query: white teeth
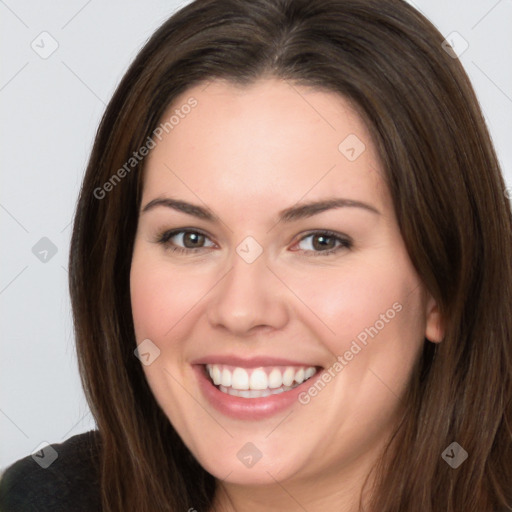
[226,378]
[239,379]
[253,393]
[258,379]
[215,375]
[257,382]
[275,379]
[288,376]
[309,373]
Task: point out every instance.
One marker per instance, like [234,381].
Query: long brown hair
[450,201]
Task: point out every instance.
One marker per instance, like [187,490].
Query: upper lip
[253,362]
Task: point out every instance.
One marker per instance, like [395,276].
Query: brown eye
[183,240]
[323,242]
[193,240]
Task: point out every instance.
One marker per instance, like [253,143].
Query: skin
[246,153]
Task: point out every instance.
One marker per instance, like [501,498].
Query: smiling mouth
[258,382]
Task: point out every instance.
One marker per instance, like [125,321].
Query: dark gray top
[67,483]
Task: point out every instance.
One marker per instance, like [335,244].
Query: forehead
[272,139]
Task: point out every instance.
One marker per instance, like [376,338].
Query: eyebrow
[287,215]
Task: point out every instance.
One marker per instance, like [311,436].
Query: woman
[290,272]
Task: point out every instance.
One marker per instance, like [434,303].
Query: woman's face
[273,253]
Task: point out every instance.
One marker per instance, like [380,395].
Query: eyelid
[164,237]
[345,241]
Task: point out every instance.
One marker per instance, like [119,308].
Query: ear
[434,328]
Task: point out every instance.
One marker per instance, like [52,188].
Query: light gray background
[50,109]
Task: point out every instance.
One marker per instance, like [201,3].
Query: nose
[248,299]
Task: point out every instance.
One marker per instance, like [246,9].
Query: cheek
[371,320]
[345,301]
[159,298]
[160,302]
[371,315]
[150,303]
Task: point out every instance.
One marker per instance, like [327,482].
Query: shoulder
[60,477]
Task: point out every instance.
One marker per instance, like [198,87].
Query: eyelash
[163,239]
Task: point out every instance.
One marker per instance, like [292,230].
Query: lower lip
[248,408]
